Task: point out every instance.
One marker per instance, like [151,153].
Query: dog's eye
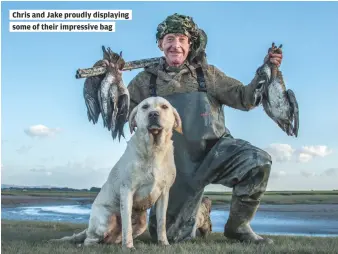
[145,106]
[164,106]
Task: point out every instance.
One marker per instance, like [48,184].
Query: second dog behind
[203,221]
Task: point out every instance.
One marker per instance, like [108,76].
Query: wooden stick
[96,71]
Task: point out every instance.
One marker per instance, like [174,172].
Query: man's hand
[113,62]
[274,56]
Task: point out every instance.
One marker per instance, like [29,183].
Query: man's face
[175,47]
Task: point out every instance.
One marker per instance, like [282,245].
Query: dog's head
[155,115]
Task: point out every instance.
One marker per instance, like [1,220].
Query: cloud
[23,149]
[303,157]
[41,131]
[307,153]
[307,174]
[47,159]
[282,173]
[285,152]
[41,170]
[302,181]
[280,152]
[332,172]
[321,151]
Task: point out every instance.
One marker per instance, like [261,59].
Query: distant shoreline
[218,200]
[34,197]
[8,201]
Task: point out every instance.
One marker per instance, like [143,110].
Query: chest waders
[207,153]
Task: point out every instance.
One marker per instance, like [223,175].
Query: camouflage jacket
[170,80]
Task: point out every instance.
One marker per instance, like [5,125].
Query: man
[206,152]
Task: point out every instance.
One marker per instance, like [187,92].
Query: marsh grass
[270,197]
[31,237]
[283,199]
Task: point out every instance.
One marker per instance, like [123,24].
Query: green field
[32,237]
[285,197]
[273,197]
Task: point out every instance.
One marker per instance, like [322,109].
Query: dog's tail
[75,238]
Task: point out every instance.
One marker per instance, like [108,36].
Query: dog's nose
[153,114]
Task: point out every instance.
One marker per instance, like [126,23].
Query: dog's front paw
[128,248]
[163,243]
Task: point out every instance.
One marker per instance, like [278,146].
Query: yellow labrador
[203,221]
[141,178]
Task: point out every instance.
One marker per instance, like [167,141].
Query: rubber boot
[242,211]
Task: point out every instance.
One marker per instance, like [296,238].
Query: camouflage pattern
[182,24]
[90,72]
[131,65]
[171,80]
[177,23]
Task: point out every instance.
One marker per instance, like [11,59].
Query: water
[312,220]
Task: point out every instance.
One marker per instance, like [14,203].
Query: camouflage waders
[205,154]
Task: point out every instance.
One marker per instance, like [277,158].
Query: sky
[46,138]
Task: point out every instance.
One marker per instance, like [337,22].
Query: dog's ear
[178,122]
[132,122]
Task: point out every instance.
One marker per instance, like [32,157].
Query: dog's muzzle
[154,126]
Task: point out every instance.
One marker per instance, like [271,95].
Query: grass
[283,197]
[270,197]
[31,237]
[331,192]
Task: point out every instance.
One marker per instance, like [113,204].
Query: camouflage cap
[182,24]
[177,23]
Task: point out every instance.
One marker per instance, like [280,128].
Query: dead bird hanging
[110,98]
[106,94]
[278,103]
